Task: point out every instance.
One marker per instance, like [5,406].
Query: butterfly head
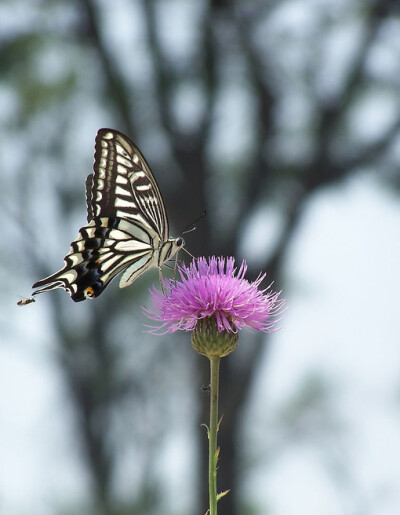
[171,247]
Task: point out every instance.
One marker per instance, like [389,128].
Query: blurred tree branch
[116,89]
[188,147]
[99,388]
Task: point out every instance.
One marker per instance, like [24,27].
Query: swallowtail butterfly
[127,228]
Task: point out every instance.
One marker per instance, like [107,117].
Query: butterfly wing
[123,185]
[127,222]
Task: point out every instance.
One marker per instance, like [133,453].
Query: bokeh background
[282,120]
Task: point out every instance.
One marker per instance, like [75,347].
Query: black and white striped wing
[123,185]
[127,228]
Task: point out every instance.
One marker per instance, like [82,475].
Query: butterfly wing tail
[59,280]
[48,283]
[81,282]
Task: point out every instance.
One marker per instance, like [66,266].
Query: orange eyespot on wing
[89,292]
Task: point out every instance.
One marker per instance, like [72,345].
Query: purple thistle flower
[214,288]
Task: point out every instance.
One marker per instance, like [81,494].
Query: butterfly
[24,302]
[127,228]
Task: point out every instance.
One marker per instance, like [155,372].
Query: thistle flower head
[214,288]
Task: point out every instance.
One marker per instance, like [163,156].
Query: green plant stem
[212,433]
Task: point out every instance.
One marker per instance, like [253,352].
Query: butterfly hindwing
[103,249]
[127,228]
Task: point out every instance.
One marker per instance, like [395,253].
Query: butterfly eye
[180,242]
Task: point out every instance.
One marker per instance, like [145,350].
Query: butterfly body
[127,228]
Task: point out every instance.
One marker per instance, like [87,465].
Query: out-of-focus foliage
[246,109]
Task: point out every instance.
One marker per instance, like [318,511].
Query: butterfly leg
[176,264]
[161,279]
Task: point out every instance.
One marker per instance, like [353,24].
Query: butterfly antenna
[192,226]
[187,252]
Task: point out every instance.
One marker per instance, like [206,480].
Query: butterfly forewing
[128,225]
[123,184]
